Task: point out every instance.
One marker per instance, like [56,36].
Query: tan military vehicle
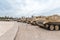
[19,20]
[35,19]
[28,20]
[51,22]
[23,19]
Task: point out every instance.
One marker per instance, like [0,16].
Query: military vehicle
[35,19]
[51,22]
[28,20]
[19,20]
[23,19]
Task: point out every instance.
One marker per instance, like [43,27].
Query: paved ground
[5,26]
[29,32]
[8,30]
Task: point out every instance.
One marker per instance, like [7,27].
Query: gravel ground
[30,32]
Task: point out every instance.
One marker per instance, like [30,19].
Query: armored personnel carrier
[51,23]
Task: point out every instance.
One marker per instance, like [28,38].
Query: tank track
[52,25]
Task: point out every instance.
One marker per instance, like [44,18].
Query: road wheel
[56,27]
[51,27]
[46,26]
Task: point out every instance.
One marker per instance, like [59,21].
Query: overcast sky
[18,8]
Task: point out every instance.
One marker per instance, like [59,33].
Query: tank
[50,22]
[36,19]
[31,20]
[28,20]
[23,19]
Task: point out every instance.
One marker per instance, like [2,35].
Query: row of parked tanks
[47,22]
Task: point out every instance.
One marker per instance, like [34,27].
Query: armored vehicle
[23,19]
[51,23]
[35,19]
[28,20]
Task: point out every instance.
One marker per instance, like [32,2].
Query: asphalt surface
[30,32]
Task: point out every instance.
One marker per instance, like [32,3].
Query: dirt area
[30,32]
